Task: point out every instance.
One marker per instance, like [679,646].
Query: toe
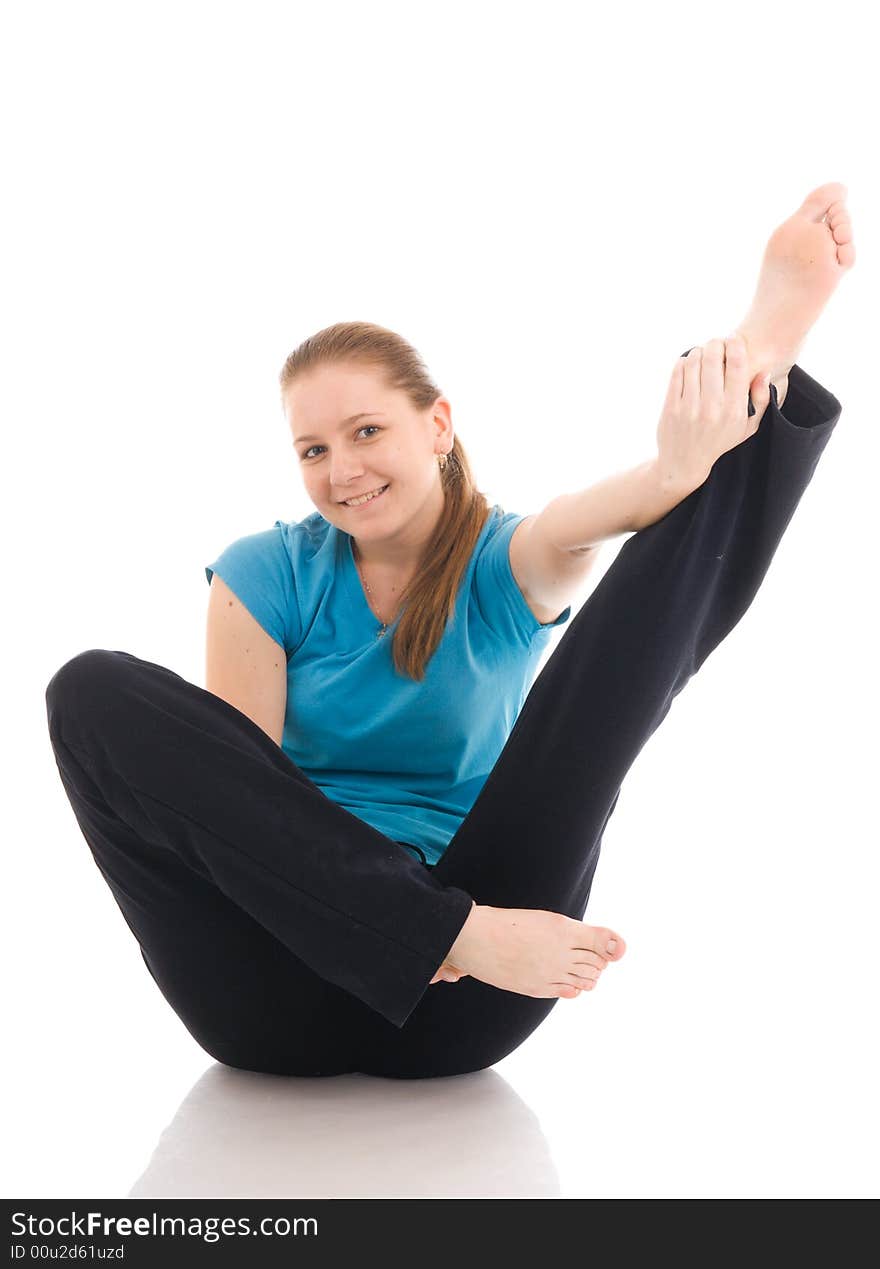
[607,943]
[846,255]
[583,974]
[818,201]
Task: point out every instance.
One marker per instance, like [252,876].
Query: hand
[706,411]
[448,973]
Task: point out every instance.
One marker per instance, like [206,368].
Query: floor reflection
[247,1135]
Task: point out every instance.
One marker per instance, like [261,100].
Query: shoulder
[258,567]
[264,548]
[506,608]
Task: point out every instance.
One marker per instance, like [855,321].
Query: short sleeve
[257,568]
[500,599]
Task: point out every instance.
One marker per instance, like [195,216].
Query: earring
[442,460]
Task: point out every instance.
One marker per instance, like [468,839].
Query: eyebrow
[365,414]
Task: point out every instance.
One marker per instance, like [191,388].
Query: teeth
[356,502]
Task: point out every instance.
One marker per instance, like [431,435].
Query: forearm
[623,503]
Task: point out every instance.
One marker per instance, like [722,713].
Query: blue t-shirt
[408,758]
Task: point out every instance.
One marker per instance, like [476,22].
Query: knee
[75,686]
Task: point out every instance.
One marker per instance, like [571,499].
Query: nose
[345,470]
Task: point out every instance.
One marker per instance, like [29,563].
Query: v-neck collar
[356,591]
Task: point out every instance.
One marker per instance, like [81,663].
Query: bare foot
[531,951]
[804,260]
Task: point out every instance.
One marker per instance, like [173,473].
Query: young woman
[367,800]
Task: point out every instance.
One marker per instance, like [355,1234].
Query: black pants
[292,937]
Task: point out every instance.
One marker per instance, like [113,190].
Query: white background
[551,203]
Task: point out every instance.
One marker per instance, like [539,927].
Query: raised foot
[531,951]
[805,258]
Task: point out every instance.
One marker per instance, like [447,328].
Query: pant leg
[179,794]
[244,997]
[673,592]
[670,596]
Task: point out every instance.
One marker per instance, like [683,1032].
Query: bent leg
[178,792]
[243,996]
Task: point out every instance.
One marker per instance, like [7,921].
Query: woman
[364,803]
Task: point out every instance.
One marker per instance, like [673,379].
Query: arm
[243,664]
[623,503]
[627,502]
[551,554]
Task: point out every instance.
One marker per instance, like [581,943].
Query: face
[392,444]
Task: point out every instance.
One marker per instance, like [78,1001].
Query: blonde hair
[429,599]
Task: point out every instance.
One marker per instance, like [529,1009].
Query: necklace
[384,626]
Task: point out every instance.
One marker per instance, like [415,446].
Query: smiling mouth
[375,493]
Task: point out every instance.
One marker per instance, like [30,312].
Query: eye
[365,428]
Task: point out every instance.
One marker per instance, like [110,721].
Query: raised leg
[671,595]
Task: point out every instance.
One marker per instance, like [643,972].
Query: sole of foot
[804,260]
